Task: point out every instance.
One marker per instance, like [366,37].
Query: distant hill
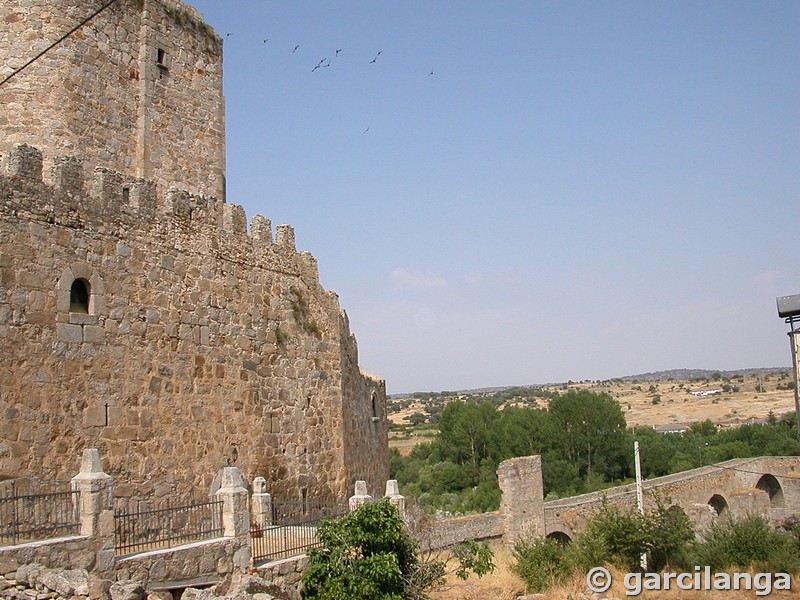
[687,374]
[671,374]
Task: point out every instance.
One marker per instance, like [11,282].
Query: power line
[59,40]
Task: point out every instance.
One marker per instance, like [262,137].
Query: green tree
[465,430]
[591,432]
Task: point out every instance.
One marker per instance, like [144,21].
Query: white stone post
[360,497]
[393,494]
[236,514]
[96,507]
[95,502]
[262,504]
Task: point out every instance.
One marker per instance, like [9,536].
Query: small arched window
[374,405]
[79,296]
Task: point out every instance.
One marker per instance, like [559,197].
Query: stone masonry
[148,320]
[138,89]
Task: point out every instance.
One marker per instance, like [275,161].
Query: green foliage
[622,533]
[370,555]
[613,535]
[749,542]
[582,439]
[302,312]
[669,534]
[366,555]
[590,432]
[541,563]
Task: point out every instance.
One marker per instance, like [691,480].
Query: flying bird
[227,35]
[266,40]
[337,52]
[320,64]
[366,130]
[376,57]
[431,73]
[295,48]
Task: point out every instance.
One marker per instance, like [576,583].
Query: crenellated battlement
[111,203]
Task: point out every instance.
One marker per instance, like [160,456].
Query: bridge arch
[718,504]
[770,484]
[560,533]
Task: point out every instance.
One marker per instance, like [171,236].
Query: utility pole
[639,494]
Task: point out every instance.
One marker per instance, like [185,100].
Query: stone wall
[138,89]
[285,574]
[443,533]
[200,345]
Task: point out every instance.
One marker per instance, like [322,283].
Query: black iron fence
[151,529]
[293,528]
[33,517]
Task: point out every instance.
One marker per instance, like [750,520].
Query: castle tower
[137,89]
[156,324]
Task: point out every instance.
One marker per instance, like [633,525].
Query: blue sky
[579,190]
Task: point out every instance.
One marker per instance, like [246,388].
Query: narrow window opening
[374,405]
[305,501]
[161,62]
[126,194]
[79,296]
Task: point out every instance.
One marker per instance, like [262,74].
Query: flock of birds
[326,62]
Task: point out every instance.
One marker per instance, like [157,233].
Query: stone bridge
[769,486]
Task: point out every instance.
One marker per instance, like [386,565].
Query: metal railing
[35,517]
[144,530]
[293,529]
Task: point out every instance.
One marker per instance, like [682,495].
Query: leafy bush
[541,563]
[370,555]
[748,542]
[365,555]
[612,536]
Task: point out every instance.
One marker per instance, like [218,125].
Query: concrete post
[236,514]
[360,497]
[95,503]
[393,493]
[262,504]
[96,508]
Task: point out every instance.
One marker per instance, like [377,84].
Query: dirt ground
[503,584]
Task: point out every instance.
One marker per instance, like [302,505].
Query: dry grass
[503,584]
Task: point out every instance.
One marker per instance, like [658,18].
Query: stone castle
[139,314]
